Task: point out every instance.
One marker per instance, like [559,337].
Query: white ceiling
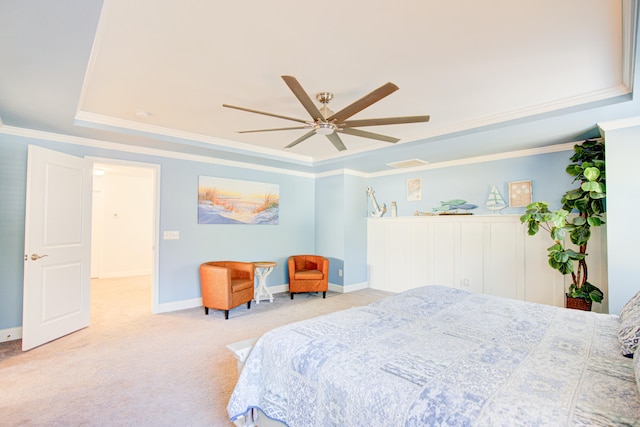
[496,68]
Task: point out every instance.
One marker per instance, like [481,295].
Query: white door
[57,246]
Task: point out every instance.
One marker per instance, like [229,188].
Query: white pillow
[631,305]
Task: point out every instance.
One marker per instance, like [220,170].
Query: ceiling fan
[326,122]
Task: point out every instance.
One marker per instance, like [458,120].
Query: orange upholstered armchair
[226,284]
[308,273]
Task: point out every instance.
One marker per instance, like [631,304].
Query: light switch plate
[171,235]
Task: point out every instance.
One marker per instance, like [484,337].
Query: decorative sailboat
[495,202]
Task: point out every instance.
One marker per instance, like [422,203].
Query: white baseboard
[332,287]
[197,302]
[348,288]
[10,334]
[178,305]
[278,289]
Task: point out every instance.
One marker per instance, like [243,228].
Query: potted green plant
[588,201]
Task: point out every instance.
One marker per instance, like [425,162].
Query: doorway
[56,295]
[125,225]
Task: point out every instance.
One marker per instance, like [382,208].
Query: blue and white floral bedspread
[437,356]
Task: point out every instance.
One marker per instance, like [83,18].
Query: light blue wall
[623,201]
[341,228]
[206,242]
[326,215]
[13,163]
[355,226]
[329,210]
[329,228]
[472,182]
[179,259]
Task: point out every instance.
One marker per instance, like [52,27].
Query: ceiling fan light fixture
[324,98]
[326,122]
[324,128]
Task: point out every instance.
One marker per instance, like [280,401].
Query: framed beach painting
[519,194]
[232,201]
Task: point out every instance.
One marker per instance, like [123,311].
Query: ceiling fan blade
[364,102]
[302,138]
[371,135]
[303,97]
[266,114]
[386,121]
[270,130]
[336,141]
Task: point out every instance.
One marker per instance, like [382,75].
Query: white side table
[263,269]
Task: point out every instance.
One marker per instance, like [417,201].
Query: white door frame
[155,304]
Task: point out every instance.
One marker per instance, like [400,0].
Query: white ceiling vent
[411,163]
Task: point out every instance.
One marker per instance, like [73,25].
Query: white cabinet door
[543,284]
[422,254]
[487,254]
[472,256]
[398,254]
[505,265]
[445,261]
[376,262]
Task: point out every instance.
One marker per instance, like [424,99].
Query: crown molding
[480,159]
[620,124]
[74,140]
[48,136]
[98,121]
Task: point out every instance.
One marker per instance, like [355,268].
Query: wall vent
[411,163]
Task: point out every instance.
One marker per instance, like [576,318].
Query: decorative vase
[577,303]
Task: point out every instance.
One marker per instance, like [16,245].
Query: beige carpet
[131,367]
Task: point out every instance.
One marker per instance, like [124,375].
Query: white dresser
[483,253]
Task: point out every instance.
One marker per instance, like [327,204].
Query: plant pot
[577,303]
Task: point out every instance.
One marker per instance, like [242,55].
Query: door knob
[35,257]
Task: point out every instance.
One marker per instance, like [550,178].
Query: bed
[438,356]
